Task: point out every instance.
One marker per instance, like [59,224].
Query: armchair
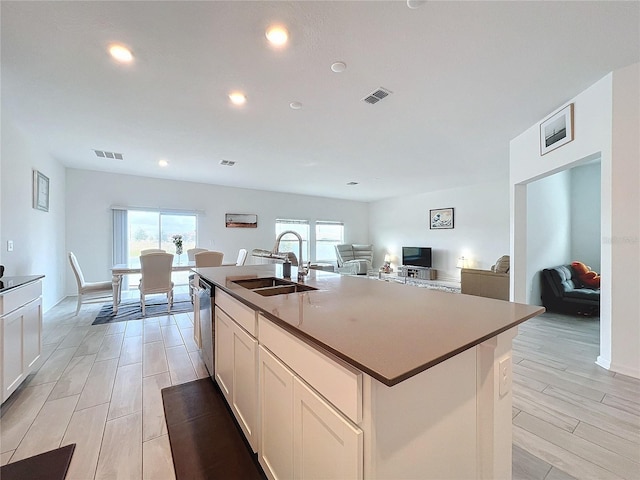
[354,259]
[492,283]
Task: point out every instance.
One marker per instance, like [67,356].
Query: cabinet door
[276,419]
[325,444]
[31,331]
[244,391]
[224,353]
[12,352]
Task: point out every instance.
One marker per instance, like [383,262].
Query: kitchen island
[365,379]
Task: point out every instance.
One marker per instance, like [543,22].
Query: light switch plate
[505,373]
[9,245]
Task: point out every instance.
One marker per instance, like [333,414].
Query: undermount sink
[270,286]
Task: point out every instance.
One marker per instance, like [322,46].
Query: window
[289,243]
[135,230]
[328,235]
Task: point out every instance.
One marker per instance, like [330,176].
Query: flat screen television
[416,256]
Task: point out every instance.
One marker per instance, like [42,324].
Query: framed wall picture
[240,220]
[40,191]
[557,130]
[441,218]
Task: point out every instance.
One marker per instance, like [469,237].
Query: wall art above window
[240,220]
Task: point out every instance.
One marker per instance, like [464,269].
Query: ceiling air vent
[375,97]
[111,155]
[227,163]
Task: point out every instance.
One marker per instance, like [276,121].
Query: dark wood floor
[571,418]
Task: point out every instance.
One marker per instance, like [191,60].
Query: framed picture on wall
[240,220]
[441,218]
[557,130]
[40,191]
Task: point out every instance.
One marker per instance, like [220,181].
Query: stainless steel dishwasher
[205,296]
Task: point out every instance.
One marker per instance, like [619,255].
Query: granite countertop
[388,330]
[8,283]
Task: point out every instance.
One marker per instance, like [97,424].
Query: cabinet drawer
[338,382]
[242,314]
[17,297]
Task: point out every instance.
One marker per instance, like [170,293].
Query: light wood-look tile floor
[99,387]
[571,418]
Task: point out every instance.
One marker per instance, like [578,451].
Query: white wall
[548,228]
[90,196]
[480,233]
[38,236]
[606,124]
[585,214]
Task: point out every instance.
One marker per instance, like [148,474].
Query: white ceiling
[466,78]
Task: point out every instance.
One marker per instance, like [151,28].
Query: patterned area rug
[131,310]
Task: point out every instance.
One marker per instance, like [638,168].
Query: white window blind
[328,235]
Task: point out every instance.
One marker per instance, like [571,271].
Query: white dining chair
[156,277]
[89,290]
[209,259]
[151,250]
[191,253]
[242,257]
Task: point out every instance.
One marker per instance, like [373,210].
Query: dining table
[121,269]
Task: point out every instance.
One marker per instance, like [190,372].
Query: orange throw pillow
[586,275]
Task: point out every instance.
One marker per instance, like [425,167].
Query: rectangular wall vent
[376,96]
[227,163]
[111,155]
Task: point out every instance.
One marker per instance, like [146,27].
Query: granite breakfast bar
[359,378]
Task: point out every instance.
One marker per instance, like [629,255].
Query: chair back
[77,271]
[242,257]
[191,253]
[209,259]
[151,250]
[155,268]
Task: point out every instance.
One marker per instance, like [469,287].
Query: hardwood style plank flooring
[99,387]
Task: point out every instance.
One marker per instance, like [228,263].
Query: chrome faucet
[302,270]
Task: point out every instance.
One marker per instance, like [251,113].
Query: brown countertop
[388,330]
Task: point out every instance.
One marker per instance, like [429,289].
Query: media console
[421,273]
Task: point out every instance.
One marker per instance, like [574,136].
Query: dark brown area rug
[52,465]
[206,442]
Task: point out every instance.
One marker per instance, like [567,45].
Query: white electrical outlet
[505,372]
[9,245]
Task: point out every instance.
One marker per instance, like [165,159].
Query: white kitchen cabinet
[276,417]
[20,334]
[302,435]
[236,372]
[325,444]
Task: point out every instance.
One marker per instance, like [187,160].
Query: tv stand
[421,273]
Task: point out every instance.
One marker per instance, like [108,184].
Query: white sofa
[354,259]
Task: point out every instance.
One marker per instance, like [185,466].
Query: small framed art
[40,191]
[557,130]
[441,218]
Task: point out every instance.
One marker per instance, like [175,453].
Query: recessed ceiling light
[277,35]
[238,98]
[295,105]
[163,163]
[121,53]
[338,67]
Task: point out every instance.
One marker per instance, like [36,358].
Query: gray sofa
[354,259]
